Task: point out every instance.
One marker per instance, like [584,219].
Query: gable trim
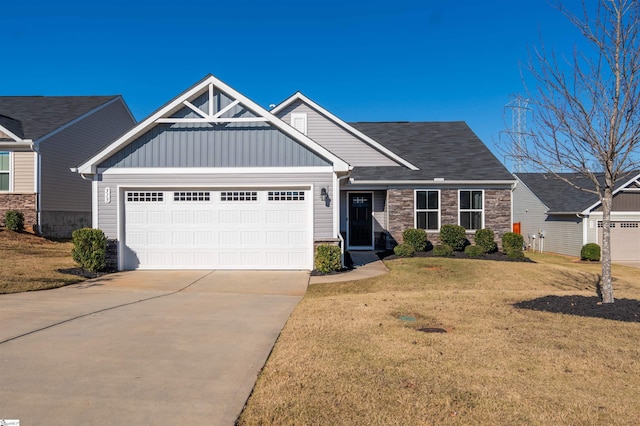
[212,170]
[299,96]
[12,135]
[620,189]
[208,83]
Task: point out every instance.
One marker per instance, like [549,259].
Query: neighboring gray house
[557,217]
[213,180]
[40,138]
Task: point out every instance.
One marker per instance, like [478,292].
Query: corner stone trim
[26,203]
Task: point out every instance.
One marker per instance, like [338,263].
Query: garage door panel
[625,240]
[219,230]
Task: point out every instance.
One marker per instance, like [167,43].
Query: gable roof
[561,197]
[298,96]
[441,150]
[32,117]
[208,83]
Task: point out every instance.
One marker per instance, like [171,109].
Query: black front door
[360,219]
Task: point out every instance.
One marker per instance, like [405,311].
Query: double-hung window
[427,214]
[4,171]
[471,210]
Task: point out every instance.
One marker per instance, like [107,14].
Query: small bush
[442,250]
[89,248]
[512,241]
[515,254]
[474,251]
[404,250]
[328,258]
[454,236]
[485,239]
[590,251]
[14,220]
[415,237]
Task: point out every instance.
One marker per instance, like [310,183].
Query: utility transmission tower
[517,110]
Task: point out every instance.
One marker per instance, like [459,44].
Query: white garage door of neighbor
[625,240]
[222,229]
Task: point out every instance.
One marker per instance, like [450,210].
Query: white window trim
[471,231]
[9,172]
[299,115]
[416,210]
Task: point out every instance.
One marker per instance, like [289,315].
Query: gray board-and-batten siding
[108,212]
[214,145]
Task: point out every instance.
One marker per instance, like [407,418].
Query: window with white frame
[4,171]
[427,210]
[471,209]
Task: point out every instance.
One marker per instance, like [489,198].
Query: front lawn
[441,341]
[30,262]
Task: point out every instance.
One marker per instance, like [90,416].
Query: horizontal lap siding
[592,223]
[337,140]
[323,215]
[23,172]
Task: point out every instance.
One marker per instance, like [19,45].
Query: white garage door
[625,240]
[222,229]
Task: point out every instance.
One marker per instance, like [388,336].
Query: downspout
[38,187]
[336,213]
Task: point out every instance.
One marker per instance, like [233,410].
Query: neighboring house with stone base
[41,137]
[212,180]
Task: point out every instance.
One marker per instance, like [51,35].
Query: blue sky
[369,60]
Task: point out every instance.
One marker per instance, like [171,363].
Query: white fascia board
[212,170]
[23,145]
[299,96]
[178,102]
[623,186]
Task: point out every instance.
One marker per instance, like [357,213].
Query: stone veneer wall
[497,211]
[26,203]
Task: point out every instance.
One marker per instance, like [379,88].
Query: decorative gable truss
[209,105]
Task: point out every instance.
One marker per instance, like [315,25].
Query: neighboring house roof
[562,197]
[441,150]
[40,115]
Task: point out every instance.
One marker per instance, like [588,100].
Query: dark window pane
[465,200]
[421,199]
[476,202]
[433,200]
[476,220]
[432,220]
[465,220]
[421,220]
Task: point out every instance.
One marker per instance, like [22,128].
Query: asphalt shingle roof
[40,115]
[448,150]
[558,195]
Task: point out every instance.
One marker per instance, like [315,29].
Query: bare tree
[586,107]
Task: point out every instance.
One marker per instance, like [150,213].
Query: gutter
[431,182]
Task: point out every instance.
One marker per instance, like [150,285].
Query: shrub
[416,238]
[442,250]
[590,251]
[474,251]
[486,240]
[404,250]
[328,258]
[512,241]
[515,254]
[89,248]
[453,236]
[14,220]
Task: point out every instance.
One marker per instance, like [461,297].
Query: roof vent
[438,179]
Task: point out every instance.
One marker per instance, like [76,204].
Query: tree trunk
[606,286]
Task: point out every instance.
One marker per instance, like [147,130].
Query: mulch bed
[497,256]
[626,310]
[83,272]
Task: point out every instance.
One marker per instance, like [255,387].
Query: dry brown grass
[346,357]
[31,263]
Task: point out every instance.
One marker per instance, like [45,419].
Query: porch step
[360,258]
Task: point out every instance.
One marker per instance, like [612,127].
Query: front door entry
[360,219]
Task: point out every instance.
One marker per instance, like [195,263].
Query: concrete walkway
[366,264]
[141,348]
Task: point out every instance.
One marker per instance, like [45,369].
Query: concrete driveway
[141,348]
